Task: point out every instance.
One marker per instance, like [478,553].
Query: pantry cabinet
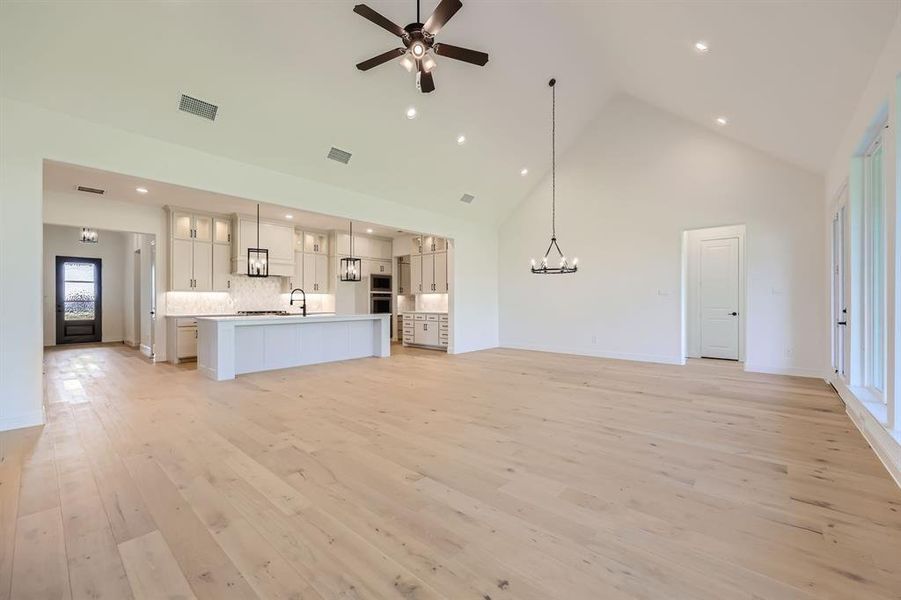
[190,251]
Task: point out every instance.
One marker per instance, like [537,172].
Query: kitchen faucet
[304,307]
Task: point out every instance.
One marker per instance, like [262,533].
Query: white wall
[881,425]
[111,250]
[627,189]
[32,134]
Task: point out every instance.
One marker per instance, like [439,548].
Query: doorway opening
[714,293]
[79,300]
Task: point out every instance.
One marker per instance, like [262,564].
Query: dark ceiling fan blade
[426,81]
[443,13]
[367,13]
[465,54]
[381,58]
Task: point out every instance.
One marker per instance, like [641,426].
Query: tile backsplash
[247,293]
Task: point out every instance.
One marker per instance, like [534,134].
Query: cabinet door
[309,273]
[416,274]
[418,245]
[297,280]
[316,243]
[182,226]
[203,228]
[420,332]
[279,240]
[203,266]
[381,267]
[322,281]
[186,342]
[366,268]
[247,231]
[439,244]
[221,268]
[182,265]
[222,230]
[428,273]
[441,272]
[403,282]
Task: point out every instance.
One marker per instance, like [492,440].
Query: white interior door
[840,293]
[719,296]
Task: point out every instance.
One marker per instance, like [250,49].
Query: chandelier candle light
[89,236]
[351,267]
[258,258]
[565,267]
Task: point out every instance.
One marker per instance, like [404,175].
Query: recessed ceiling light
[141,190]
[524,172]
[722,121]
[461,139]
[289,216]
[701,47]
[369,231]
[411,113]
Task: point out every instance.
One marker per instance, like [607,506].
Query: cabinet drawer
[185,322]
[419,317]
[444,318]
[431,317]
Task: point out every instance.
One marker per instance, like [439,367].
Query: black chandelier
[89,236]
[350,268]
[258,258]
[564,265]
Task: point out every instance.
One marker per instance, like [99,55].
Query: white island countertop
[233,345]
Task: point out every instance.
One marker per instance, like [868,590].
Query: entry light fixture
[89,236]
[564,267]
[258,258]
[351,268]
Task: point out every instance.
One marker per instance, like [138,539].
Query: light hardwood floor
[492,475]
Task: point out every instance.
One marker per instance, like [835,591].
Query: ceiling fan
[419,43]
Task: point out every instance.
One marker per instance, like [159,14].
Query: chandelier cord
[553,159]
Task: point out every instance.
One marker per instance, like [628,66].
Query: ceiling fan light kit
[564,266]
[420,48]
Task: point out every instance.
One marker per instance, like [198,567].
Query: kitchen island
[233,345]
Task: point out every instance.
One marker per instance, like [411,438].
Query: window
[874,268]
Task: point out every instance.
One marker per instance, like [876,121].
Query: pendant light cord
[553,158]
[417,11]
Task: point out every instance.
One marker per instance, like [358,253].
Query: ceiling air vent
[342,156]
[467,198]
[90,190]
[198,107]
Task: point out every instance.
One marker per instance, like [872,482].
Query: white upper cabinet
[441,286]
[416,274]
[222,230]
[428,274]
[427,244]
[222,273]
[364,247]
[190,251]
[315,243]
[182,226]
[315,274]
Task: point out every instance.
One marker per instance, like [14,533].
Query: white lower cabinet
[425,329]
[181,338]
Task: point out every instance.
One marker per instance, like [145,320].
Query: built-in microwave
[380,283]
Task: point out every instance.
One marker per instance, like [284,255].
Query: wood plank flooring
[487,476]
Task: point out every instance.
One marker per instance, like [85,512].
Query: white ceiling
[787,74]
[63,177]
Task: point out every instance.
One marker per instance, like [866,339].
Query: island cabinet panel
[229,346]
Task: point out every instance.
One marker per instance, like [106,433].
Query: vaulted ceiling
[787,74]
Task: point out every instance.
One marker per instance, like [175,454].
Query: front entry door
[78,300]
[719,298]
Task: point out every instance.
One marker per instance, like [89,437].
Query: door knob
[734,314]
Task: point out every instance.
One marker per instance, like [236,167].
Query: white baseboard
[146,351]
[886,446]
[130,343]
[651,358]
[29,419]
[780,370]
